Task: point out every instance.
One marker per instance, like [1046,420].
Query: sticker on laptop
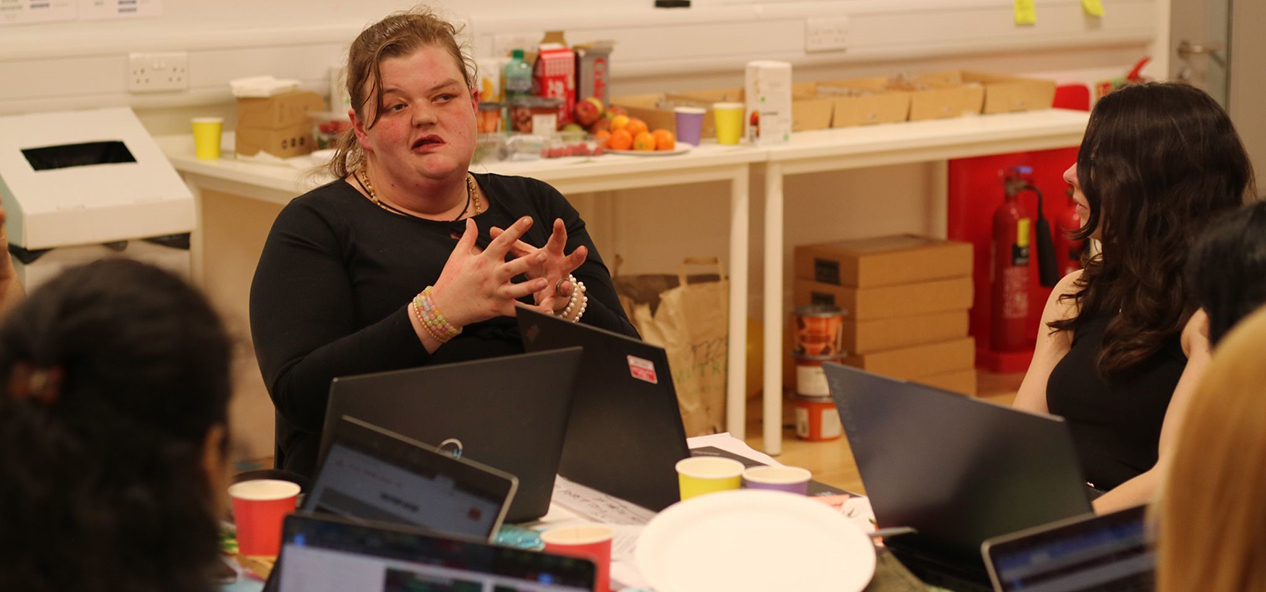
[643,370]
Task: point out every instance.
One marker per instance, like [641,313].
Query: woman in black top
[402,261]
[1122,344]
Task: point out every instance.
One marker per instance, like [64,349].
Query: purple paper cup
[788,479]
[689,124]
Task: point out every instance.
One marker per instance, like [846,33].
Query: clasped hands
[477,284]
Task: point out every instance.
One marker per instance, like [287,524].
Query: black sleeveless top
[1115,426]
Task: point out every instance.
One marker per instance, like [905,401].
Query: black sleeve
[604,309]
[302,319]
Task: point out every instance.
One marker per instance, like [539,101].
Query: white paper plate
[680,148]
[754,541]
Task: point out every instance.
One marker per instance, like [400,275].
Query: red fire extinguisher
[1067,250]
[1009,273]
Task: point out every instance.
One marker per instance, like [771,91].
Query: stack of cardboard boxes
[278,125]
[905,301]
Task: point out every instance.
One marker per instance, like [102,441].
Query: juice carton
[593,70]
[554,76]
[768,94]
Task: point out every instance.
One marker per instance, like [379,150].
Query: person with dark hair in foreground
[1227,269]
[114,391]
[1122,346]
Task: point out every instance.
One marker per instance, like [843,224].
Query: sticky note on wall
[1092,7]
[1025,12]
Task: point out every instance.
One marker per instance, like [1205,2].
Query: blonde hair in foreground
[1212,529]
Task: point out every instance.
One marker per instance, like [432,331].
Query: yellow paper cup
[729,120]
[206,137]
[708,474]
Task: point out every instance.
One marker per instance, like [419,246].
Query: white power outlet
[826,34]
[157,72]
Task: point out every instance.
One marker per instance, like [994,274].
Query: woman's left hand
[556,267]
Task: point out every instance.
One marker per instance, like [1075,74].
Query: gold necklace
[472,195]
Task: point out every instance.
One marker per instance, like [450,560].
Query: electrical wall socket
[157,72]
[826,34]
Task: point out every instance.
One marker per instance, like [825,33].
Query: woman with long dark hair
[114,390]
[1122,344]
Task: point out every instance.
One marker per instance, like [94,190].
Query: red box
[555,76]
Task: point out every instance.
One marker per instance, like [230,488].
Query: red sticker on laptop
[643,370]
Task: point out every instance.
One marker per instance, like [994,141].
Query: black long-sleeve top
[331,294]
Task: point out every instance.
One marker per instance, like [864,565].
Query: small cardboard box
[919,361]
[1003,94]
[864,101]
[883,261]
[295,140]
[555,74]
[963,381]
[863,304]
[283,110]
[945,101]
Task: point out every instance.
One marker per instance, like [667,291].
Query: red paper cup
[259,506]
[590,541]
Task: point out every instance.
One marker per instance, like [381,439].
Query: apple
[612,111]
[603,123]
[588,111]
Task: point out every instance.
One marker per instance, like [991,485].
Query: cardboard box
[946,101]
[963,381]
[1003,94]
[295,140]
[283,110]
[555,74]
[861,337]
[807,112]
[864,101]
[864,304]
[919,361]
[883,261]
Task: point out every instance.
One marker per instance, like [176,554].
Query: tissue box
[278,111]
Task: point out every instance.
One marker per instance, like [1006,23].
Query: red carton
[593,67]
[555,78]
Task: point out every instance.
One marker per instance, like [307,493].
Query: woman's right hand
[475,284]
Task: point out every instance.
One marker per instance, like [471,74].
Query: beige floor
[832,462]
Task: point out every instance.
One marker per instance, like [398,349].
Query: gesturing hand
[475,284]
[555,267]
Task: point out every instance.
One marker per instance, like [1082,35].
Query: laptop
[508,413]
[374,474]
[1088,554]
[328,554]
[956,470]
[625,435]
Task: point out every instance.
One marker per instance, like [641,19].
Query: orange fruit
[637,127]
[664,140]
[603,137]
[621,139]
[619,122]
[644,141]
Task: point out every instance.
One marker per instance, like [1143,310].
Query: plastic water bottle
[518,74]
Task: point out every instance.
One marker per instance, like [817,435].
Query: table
[880,145]
[278,184]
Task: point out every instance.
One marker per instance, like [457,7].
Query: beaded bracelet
[578,303]
[431,318]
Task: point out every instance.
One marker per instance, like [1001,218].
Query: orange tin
[816,419]
[819,331]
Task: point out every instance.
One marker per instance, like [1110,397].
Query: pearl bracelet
[578,303]
[431,317]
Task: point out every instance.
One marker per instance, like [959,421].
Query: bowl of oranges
[630,135]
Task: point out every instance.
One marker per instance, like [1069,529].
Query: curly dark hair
[1158,162]
[1227,269]
[103,485]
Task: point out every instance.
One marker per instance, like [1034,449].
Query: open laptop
[508,413]
[374,474]
[1088,554]
[625,434]
[956,470]
[327,554]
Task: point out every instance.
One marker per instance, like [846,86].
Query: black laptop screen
[1105,553]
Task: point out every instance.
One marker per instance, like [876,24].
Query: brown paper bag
[689,318]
